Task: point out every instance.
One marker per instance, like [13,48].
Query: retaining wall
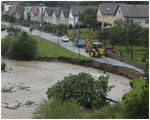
[129,73]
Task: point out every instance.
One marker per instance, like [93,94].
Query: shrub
[84,88]
[5,44]
[136,102]
[55,110]
[70,26]
[23,47]
[108,112]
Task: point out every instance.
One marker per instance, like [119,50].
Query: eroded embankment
[129,73]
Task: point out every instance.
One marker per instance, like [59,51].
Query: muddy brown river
[24,84]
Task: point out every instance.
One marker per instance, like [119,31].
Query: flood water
[24,84]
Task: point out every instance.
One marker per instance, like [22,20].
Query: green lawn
[138,53]
[46,49]
[3,26]
[84,33]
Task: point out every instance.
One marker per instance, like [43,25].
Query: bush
[136,102]
[55,110]
[108,112]
[84,88]
[70,26]
[5,44]
[23,47]
[50,28]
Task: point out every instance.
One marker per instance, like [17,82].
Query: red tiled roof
[13,9]
[35,9]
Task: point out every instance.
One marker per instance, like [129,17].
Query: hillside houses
[64,16]
[34,14]
[56,16]
[27,11]
[20,12]
[48,15]
[106,13]
[135,13]
[12,10]
[40,14]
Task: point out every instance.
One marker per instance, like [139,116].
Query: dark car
[80,42]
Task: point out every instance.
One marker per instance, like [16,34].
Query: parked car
[64,39]
[80,42]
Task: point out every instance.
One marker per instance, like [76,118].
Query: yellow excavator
[96,49]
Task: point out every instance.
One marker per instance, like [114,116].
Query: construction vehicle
[112,50]
[96,49]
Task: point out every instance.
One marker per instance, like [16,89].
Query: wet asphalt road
[70,46]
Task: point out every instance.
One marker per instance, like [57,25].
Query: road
[70,46]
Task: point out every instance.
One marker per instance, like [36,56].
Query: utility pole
[132,40]
[127,36]
[79,24]
[74,27]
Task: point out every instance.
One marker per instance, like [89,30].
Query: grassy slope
[46,49]
[84,33]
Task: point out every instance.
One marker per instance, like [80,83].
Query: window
[139,23]
[147,21]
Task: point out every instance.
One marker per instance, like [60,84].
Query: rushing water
[30,80]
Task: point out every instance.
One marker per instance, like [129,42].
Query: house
[12,10]
[74,14]
[34,14]
[135,13]
[76,11]
[48,15]
[20,12]
[27,11]
[41,11]
[106,13]
[64,16]
[56,16]
[6,8]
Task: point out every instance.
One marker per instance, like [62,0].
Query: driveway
[70,46]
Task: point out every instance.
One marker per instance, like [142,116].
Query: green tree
[84,88]
[61,30]
[23,47]
[88,17]
[144,37]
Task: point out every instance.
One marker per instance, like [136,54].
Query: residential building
[106,13]
[27,11]
[41,11]
[74,14]
[20,12]
[64,16]
[76,11]
[56,16]
[48,15]
[6,8]
[12,10]
[34,14]
[135,13]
